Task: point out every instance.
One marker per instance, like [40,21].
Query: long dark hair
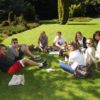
[76,35]
[96,33]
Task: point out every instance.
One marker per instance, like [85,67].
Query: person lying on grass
[16,51]
[59,42]
[43,42]
[75,59]
[11,67]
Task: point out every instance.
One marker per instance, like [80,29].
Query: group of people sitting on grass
[81,52]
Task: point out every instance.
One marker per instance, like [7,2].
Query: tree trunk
[63,11]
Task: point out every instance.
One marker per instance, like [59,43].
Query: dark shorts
[15,68]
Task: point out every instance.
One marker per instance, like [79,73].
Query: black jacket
[84,42]
[5,63]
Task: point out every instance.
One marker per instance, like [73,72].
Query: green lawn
[58,85]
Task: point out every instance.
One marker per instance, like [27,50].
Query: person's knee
[24,60]
[62,65]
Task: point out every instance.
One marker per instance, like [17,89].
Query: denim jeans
[66,67]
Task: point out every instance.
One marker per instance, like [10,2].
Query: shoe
[45,63]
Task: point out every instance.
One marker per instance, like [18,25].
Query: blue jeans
[66,67]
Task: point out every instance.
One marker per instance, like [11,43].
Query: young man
[16,51]
[11,67]
[59,42]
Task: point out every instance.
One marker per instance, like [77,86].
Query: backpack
[83,71]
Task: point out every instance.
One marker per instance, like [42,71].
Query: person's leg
[28,51]
[66,67]
[40,48]
[55,47]
[21,63]
[30,62]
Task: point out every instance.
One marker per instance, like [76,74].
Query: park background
[25,19]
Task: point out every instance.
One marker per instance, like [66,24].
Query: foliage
[58,85]
[90,8]
[16,7]
[86,27]
[63,11]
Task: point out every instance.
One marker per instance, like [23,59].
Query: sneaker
[45,63]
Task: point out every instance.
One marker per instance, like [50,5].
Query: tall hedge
[63,11]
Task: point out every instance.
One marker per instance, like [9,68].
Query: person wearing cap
[43,42]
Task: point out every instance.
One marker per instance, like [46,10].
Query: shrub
[75,10]
[5,23]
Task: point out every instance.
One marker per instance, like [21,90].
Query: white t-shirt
[80,42]
[59,41]
[90,55]
[98,50]
[77,58]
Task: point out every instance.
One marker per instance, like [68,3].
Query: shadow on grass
[48,22]
[81,24]
[58,85]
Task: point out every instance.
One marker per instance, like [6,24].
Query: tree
[63,11]
[17,7]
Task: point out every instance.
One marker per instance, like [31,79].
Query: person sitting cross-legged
[59,42]
[9,66]
[43,42]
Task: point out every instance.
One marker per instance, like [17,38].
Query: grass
[58,85]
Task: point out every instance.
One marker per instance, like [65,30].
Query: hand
[70,63]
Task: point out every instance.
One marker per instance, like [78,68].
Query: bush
[5,23]
[75,10]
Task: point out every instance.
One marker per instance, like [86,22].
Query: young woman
[76,58]
[96,37]
[43,41]
[80,40]
[90,53]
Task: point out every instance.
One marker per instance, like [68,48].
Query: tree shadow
[48,22]
[57,85]
[81,24]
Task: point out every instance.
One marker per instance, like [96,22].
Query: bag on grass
[17,80]
[83,71]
